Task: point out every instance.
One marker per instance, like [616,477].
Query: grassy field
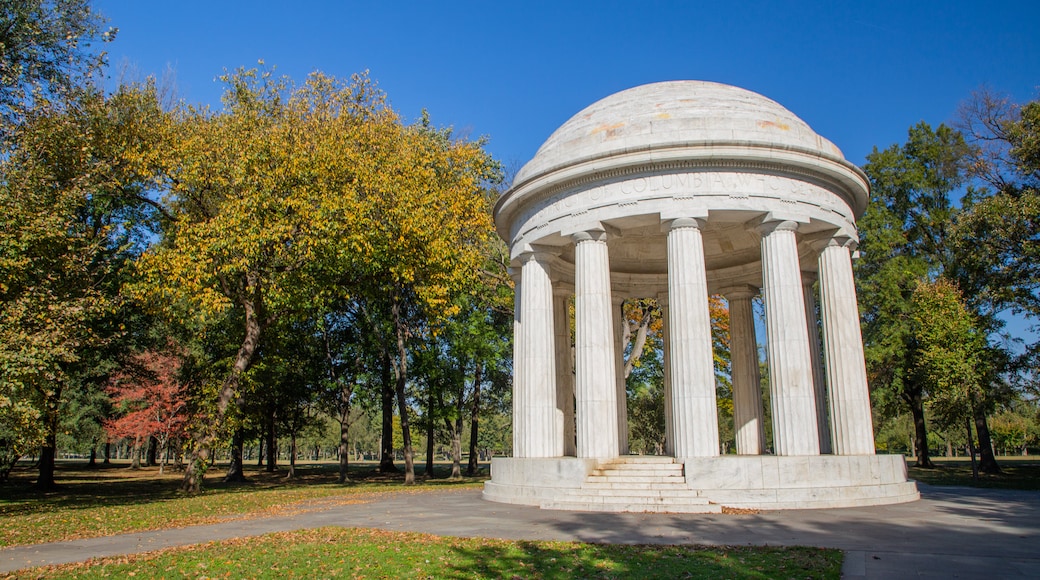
[363,553]
[1019,473]
[115,499]
[93,502]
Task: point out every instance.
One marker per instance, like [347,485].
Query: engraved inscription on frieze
[682,186]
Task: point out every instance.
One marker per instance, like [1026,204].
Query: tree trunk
[93,456]
[920,429]
[46,477]
[971,451]
[108,453]
[456,431]
[153,448]
[202,449]
[344,452]
[406,432]
[456,448]
[428,473]
[292,456]
[260,451]
[236,470]
[386,452]
[401,368]
[49,451]
[640,341]
[474,418]
[272,440]
[987,461]
[164,452]
[135,459]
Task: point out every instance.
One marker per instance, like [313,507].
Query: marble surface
[677,191]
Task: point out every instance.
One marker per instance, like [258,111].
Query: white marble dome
[676,191]
[670,114]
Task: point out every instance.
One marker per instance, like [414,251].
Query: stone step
[644,459]
[633,508]
[630,499]
[635,479]
[641,472]
[634,492]
[656,484]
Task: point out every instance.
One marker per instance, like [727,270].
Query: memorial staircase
[635,483]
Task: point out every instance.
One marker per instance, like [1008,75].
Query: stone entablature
[674,194]
[676,191]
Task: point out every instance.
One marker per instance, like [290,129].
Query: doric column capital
[836,241]
[540,253]
[809,278]
[767,227]
[594,235]
[683,222]
[742,291]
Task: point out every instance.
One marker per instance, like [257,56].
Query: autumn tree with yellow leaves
[294,196]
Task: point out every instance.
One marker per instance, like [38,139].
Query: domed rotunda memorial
[678,191]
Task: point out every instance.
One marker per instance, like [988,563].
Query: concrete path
[950,533]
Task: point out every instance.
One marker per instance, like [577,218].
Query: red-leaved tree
[151,400]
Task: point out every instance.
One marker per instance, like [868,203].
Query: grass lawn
[365,553]
[1019,473]
[115,499]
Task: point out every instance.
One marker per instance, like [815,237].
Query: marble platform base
[665,484]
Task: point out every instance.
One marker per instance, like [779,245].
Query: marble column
[695,419]
[595,379]
[851,427]
[666,348]
[812,323]
[790,368]
[538,424]
[564,368]
[748,414]
[519,408]
[618,303]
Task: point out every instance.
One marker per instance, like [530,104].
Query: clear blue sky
[860,73]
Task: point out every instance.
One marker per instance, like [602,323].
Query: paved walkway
[950,533]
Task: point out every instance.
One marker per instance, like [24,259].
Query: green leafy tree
[904,241]
[997,237]
[427,225]
[264,193]
[73,213]
[351,368]
[950,354]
